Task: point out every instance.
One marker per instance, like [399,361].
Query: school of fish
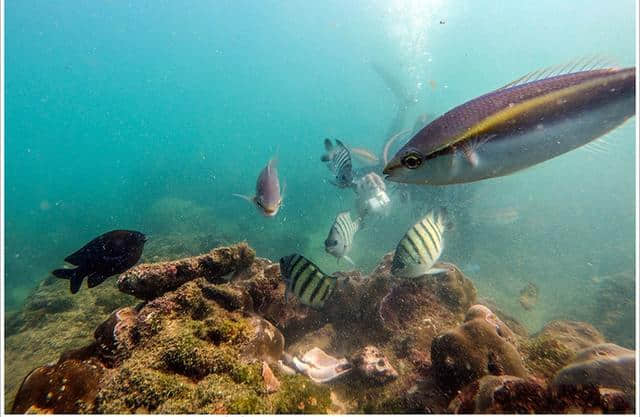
[529,121]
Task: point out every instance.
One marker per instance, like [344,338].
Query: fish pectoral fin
[470,148]
[251,200]
[348,260]
[469,154]
[436,271]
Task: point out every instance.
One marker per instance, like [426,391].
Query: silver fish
[340,239]
[526,122]
[364,155]
[268,198]
[338,159]
[306,281]
[421,247]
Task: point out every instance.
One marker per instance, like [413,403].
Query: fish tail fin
[442,216]
[328,146]
[74,275]
[245,197]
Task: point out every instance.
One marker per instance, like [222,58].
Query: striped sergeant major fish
[306,281]
[338,159]
[340,239]
[531,120]
[421,247]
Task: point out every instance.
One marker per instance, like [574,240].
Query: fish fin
[470,148]
[358,154]
[286,291]
[588,63]
[442,216]
[389,142]
[328,146]
[273,163]
[339,143]
[348,260]
[252,200]
[75,276]
[436,271]
[95,279]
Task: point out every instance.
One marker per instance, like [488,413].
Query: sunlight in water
[409,23]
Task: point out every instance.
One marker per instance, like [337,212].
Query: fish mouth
[269,212]
[391,166]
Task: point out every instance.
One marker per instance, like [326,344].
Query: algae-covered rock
[148,281]
[51,322]
[572,335]
[544,355]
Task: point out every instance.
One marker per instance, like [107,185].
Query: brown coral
[476,348]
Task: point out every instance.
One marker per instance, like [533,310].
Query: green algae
[298,394]
[136,387]
[545,356]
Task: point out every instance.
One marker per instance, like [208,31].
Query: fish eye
[330,242]
[412,160]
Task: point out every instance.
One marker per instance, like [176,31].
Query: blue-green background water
[148,115]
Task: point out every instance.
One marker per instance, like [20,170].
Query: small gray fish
[306,281]
[268,198]
[340,239]
[421,247]
[338,159]
[364,155]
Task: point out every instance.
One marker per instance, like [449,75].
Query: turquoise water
[148,115]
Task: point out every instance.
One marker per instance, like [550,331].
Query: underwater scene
[399,206]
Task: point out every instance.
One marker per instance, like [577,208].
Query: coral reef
[374,366]
[66,387]
[213,331]
[571,335]
[482,345]
[51,322]
[607,366]
[528,296]
[501,394]
[615,307]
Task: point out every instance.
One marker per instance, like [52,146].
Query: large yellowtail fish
[519,125]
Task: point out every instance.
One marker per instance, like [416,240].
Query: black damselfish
[109,254]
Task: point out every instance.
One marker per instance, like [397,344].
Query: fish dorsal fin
[588,63]
[272,164]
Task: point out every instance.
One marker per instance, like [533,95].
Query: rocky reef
[214,334]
